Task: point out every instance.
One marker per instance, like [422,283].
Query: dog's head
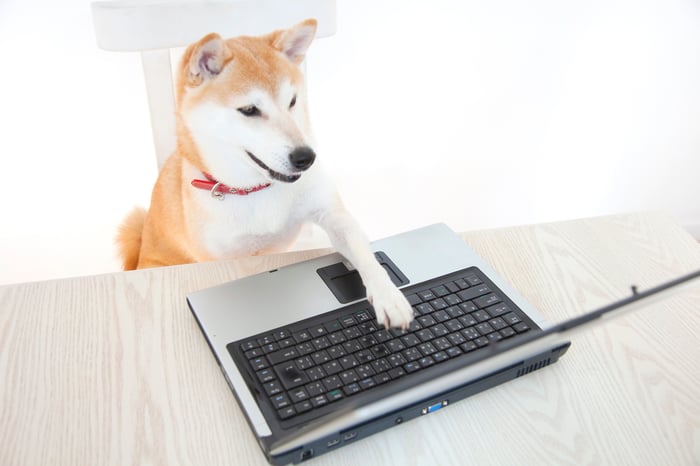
[242,111]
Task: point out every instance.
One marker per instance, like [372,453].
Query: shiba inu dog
[245,177]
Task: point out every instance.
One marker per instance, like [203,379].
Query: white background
[479,114]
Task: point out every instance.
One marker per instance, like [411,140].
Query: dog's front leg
[347,237]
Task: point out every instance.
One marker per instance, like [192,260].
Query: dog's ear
[295,41]
[204,59]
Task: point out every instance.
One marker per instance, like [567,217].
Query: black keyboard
[332,357]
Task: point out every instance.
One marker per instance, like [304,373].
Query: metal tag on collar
[216,194]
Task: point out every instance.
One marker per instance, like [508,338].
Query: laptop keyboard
[317,362]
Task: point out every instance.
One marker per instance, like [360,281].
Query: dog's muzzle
[300,158]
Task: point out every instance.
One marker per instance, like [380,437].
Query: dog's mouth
[273,174]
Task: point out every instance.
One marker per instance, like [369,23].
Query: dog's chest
[246,225]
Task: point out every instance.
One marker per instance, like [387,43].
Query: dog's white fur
[216,136]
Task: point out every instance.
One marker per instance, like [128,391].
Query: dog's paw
[390,306]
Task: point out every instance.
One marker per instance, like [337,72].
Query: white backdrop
[476,113]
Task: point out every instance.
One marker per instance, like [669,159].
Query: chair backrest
[154,28]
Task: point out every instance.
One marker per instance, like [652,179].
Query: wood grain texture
[113,370]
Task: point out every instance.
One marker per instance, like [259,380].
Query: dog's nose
[302,157]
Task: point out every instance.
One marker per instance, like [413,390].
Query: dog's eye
[293,102]
[250,110]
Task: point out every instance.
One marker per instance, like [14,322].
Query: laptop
[311,369]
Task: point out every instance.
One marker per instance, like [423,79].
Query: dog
[244,177]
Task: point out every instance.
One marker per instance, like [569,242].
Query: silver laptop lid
[252,305]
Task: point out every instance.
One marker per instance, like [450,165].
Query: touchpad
[346,285]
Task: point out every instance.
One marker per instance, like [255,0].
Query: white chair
[153,28]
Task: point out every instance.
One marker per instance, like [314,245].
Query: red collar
[219,190]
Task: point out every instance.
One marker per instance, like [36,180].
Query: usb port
[333,442]
[349,436]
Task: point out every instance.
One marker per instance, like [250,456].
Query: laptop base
[422,408]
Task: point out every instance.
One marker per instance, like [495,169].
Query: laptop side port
[434,407]
[307,454]
[333,442]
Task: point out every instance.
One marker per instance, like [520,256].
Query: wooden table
[113,370]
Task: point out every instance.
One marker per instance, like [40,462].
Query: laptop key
[473,279]
[333,326]
[280,401]
[468,306]
[425,335]
[348,321]
[439,330]
[259,363]
[481,341]
[315,373]
[380,351]
[473,292]
[494,337]
[298,394]
[440,291]
[468,346]
[498,310]
[439,304]
[486,301]
[266,375]
[470,333]
[287,412]
[302,336]
[426,361]
[249,345]
[319,400]
[461,283]
[254,353]
[281,334]
[315,388]
[272,388]
[367,383]
[396,360]
[384,377]
[413,299]
[305,348]
[332,382]
[352,388]
[452,300]
[332,367]
[411,366]
[290,376]
[283,355]
[452,286]
[521,327]
[266,340]
[484,328]
[303,406]
[334,395]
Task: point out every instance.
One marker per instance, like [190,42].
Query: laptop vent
[533,367]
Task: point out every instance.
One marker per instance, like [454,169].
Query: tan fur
[129,238]
[162,236]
